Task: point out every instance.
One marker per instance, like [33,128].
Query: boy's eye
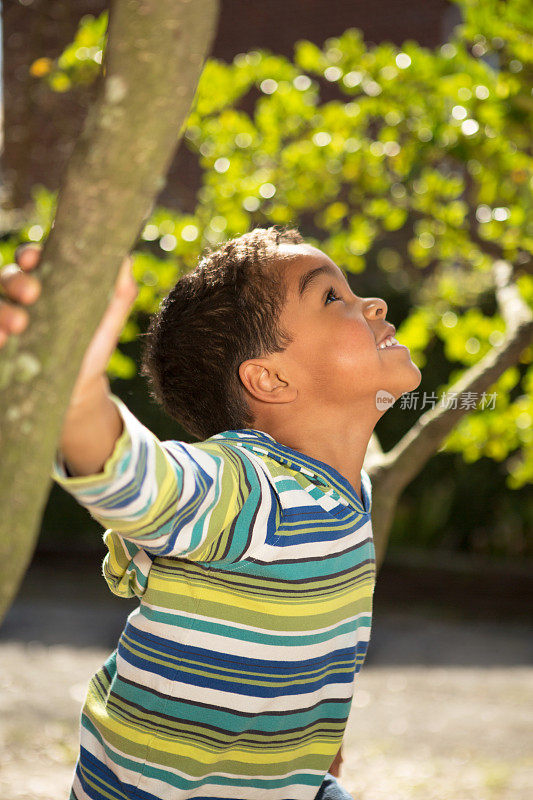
[331,293]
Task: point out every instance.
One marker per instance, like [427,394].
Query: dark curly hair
[220,314]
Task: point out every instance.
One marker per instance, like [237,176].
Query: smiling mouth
[390,343]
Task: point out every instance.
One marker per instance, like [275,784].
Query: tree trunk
[154,57]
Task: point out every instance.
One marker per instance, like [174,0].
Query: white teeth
[388,342]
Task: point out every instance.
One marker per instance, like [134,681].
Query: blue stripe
[333,670]
[178,652]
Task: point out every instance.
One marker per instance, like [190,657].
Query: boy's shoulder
[286,469]
[255,454]
[247,450]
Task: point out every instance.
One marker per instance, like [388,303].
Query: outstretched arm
[167,498]
[173,498]
[92,424]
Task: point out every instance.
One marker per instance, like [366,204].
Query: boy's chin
[408,383]
[412,381]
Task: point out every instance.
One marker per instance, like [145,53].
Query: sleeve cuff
[123,445]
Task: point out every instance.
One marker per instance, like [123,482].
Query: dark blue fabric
[332,790]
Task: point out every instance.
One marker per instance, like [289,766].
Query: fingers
[118,310]
[28,256]
[108,332]
[18,286]
[13,320]
[126,287]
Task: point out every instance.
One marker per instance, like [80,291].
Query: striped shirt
[254,565]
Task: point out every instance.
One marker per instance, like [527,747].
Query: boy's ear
[265,383]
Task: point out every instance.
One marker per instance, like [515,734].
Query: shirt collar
[265,444]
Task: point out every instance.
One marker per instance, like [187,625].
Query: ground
[442,709]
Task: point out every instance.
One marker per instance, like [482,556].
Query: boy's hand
[18,287]
[106,336]
[21,287]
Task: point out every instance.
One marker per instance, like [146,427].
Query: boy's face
[334,359]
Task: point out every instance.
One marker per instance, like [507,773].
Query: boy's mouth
[388,333]
[388,341]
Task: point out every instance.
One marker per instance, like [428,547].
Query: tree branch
[398,466]
[510,302]
[153,60]
[374,453]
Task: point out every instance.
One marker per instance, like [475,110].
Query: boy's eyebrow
[308,277]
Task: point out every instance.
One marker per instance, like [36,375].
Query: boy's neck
[341,445]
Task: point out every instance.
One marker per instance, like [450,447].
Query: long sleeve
[169,498]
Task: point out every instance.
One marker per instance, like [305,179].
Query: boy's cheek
[355,352]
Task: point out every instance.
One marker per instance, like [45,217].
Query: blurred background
[397,137]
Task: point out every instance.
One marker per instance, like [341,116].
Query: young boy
[250,550]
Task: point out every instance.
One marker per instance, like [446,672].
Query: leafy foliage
[421,165]
[80,62]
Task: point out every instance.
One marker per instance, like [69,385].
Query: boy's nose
[375,307]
